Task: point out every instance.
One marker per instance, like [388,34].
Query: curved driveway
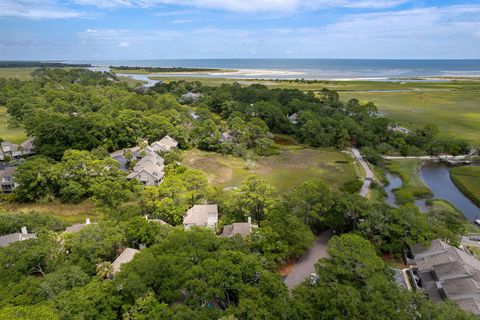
[305,266]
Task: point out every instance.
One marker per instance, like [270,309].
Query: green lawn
[285,171]
[467,179]
[15,135]
[71,213]
[456,113]
[19,73]
[413,186]
[131,82]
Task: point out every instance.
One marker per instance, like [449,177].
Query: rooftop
[125,257]
[14,237]
[449,273]
[202,215]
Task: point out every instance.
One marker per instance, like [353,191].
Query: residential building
[227,137]
[77,227]
[397,128]
[190,97]
[201,216]
[148,174]
[11,150]
[125,257]
[293,118]
[14,237]
[241,228]
[7,182]
[28,147]
[149,169]
[147,151]
[165,144]
[445,272]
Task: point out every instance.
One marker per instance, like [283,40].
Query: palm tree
[104,270]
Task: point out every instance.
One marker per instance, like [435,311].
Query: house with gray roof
[14,237]
[14,151]
[293,118]
[148,174]
[205,215]
[28,148]
[227,137]
[165,144]
[7,182]
[445,272]
[125,257]
[241,228]
[149,170]
[190,97]
[77,227]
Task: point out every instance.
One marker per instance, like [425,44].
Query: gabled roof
[28,144]
[75,228]
[7,173]
[241,228]
[150,167]
[226,136]
[199,215]
[125,257]
[14,237]
[166,143]
[9,147]
[157,175]
[449,272]
[148,150]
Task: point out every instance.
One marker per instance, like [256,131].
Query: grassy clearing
[439,205]
[285,171]
[456,112]
[70,213]
[131,82]
[19,73]
[413,186]
[15,135]
[467,180]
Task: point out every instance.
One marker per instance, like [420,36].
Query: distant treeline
[163,69]
[39,64]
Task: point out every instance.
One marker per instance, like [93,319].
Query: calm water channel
[437,177]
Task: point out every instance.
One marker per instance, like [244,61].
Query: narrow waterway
[437,177]
[394,182]
[140,77]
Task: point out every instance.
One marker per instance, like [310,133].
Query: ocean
[316,68]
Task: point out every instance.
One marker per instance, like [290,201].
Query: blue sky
[183,29]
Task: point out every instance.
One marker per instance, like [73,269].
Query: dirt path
[368,173]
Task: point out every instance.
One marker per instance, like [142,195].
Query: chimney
[87,221]
[24,230]
[249,220]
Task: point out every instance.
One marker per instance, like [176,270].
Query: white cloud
[37,9]
[249,5]
[124,44]
[445,32]
[183,21]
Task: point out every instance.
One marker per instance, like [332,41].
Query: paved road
[368,173]
[305,266]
